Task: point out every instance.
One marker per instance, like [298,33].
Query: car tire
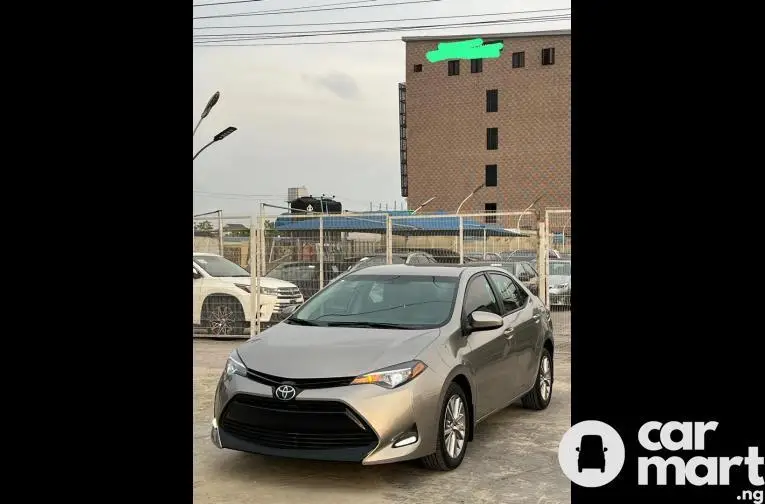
[442,459]
[223,316]
[538,398]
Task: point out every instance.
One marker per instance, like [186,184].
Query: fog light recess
[405,439]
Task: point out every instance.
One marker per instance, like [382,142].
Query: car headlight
[245,288]
[267,291]
[559,286]
[234,365]
[393,376]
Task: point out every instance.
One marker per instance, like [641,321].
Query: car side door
[522,324]
[489,351]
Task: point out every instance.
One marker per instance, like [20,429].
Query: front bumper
[559,297]
[353,423]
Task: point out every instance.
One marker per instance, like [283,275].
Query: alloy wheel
[222,320]
[545,378]
[454,426]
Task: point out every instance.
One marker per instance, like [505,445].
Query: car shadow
[319,475]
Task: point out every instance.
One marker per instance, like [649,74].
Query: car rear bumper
[355,423]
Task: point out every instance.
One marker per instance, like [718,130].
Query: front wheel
[539,397]
[223,316]
[452,431]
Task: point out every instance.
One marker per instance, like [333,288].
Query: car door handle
[536,317]
[509,332]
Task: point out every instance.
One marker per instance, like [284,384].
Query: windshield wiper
[299,321]
[376,325]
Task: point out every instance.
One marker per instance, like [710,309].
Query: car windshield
[400,301]
[217,266]
[560,268]
[294,272]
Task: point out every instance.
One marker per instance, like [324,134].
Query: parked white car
[222,301]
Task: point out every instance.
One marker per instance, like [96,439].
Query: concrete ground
[513,458]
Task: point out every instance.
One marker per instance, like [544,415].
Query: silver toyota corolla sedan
[389,363]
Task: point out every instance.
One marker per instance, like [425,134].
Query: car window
[512,296]
[295,272]
[415,259]
[480,297]
[530,269]
[558,268]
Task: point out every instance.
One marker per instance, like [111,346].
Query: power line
[210,4]
[232,37]
[377,20]
[328,42]
[265,13]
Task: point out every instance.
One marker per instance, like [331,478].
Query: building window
[476,66]
[548,56]
[492,138]
[491,175]
[492,100]
[418,68]
[454,67]
[519,59]
[490,208]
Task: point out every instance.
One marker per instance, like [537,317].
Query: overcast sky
[324,116]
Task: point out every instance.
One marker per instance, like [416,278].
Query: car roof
[447,270]
[491,263]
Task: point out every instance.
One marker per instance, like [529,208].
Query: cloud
[340,84]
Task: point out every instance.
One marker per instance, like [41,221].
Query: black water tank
[315,205]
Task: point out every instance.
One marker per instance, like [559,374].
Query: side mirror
[289,309]
[196,274]
[484,321]
[577,448]
[605,449]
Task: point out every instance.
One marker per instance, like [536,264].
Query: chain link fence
[267,263]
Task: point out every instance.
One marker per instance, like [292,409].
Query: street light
[210,104]
[518,224]
[422,205]
[469,196]
[217,138]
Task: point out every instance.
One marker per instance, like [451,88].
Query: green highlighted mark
[465,49]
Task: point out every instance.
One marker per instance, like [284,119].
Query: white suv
[222,291]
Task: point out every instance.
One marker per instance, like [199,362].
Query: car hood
[558,279]
[271,283]
[293,351]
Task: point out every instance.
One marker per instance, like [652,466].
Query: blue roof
[376,223]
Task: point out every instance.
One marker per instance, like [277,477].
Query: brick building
[503,122]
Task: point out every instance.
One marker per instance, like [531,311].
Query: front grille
[298,425]
[301,383]
[286,296]
[287,292]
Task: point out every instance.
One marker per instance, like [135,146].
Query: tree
[203,226]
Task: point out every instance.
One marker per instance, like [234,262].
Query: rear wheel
[452,431]
[223,316]
[539,397]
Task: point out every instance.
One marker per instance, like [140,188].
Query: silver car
[559,283]
[389,363]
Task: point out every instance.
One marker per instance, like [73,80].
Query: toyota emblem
[285,392]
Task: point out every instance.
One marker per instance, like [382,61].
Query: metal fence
[557,229]
[282,259]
